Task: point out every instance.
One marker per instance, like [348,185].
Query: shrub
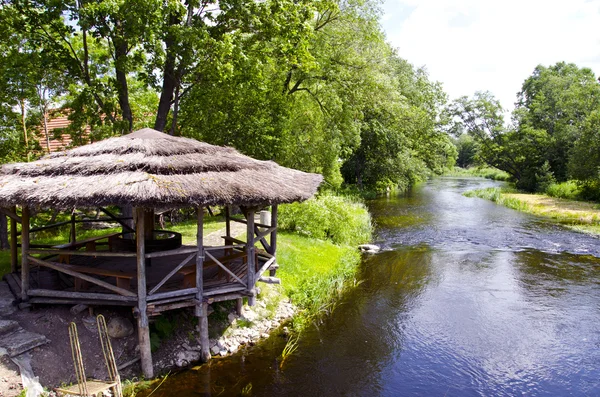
[567,190]
[343,220]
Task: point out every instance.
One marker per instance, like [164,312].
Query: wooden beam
[25,253]
[83,253]
[14,250]
[264,267]
[143,326]
[178,251]
[63,269]
[172,294]
[222,266]
[273,251]
[116,219]
[269,280]
[171,273]
[80,295]
[250,256]
[12,213]
[204,343]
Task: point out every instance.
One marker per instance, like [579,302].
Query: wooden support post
[148,223]
[204,350]
[73,235]
[227,221]
[239,306]
[201,304]
[24,253]
[250,256]
[273,240]
[143,326]
[14,250]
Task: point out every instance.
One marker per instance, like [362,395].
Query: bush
[342,220]
[567,190]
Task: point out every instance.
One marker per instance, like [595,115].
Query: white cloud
[478,45]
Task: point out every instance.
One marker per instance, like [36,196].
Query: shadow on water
[467,299]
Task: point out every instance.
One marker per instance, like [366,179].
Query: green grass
[188,228]
[314,273]
[481,171]
[569,190]
[577,215]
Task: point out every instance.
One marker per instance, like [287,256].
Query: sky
[492,45]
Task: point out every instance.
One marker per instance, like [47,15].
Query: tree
[558,100]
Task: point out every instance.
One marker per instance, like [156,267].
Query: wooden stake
[14,250]
[143,326]
[239,306]
[250,256]
[24,253]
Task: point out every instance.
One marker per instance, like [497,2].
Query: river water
[467,298]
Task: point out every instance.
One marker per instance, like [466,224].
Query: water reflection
[469,299]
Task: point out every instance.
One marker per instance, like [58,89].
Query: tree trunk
[121,75]
[46,128]
[169,83]
[24,123]
[4,244]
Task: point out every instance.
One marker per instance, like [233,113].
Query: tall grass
[569,190]
[496,195]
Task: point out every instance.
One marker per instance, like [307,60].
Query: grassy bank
[577,215]
[483,172]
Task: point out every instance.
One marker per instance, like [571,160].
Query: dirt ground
[10,379]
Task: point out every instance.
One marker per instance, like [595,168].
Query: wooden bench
[189,271]
[123,278]
[89,244]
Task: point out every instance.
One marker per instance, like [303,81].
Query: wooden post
[73,236]
[148,223]
[227,221]
[250,255]
[239,306]
[273,241]
[143,326]
[24,253]
[14,250]
[201,305]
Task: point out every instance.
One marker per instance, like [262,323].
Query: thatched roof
[149,169]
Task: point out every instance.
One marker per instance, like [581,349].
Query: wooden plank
[172,294]
[82,243]
[179,251]
[14,251]
[73,236]
[71,301]
[273,251]
[100,254]
[224,290]
[171,274]
[61,268]
[14,283]
[156,310]
[80,295]
[24,253]
[143,326]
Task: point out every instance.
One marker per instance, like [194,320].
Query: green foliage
[569,190]
[481,171]
[162,328]
[314,273]
[342,220]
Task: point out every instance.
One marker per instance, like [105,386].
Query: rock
[215,350]
[119,327]
[231,317]
[369,248]
[185,357]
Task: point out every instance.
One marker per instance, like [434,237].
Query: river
[467,298]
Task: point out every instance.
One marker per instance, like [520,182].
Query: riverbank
[577,215]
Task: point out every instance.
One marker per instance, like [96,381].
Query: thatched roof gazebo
[148,169]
